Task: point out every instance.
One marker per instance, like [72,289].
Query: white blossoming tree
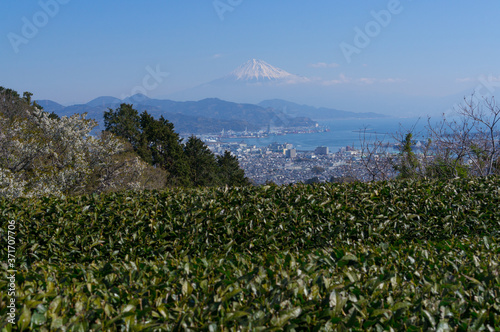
[42,154]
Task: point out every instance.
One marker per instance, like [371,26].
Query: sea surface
[344,133]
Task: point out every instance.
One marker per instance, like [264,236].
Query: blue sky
[80,50]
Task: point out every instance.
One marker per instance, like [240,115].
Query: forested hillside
[42,154]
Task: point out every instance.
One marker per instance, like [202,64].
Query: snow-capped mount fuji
[255,78]
[258,70]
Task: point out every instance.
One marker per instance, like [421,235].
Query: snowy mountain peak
[259,70]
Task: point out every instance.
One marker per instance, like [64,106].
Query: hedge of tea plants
[406,255]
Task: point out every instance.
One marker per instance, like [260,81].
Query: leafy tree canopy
[189,164]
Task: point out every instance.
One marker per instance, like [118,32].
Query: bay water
[344,133]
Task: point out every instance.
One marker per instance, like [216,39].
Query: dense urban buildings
[283,164]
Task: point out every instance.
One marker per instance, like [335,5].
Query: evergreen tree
[408,160]
[230,172]
[202,163]
[156,142]
[124,122]
[161,146]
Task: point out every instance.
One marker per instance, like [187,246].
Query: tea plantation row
[367,256]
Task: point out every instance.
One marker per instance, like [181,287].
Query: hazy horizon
[403,58]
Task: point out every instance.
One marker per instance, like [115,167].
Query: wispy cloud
[217,56]
[392,80]
[294,79]
[367,80]
[466,79]
[490,78]
[324,65]
[363,80]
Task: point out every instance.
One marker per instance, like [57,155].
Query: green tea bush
[406,255]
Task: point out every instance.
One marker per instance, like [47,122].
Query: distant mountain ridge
[209,115]
[315,113]
[50,106]
[100,101]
